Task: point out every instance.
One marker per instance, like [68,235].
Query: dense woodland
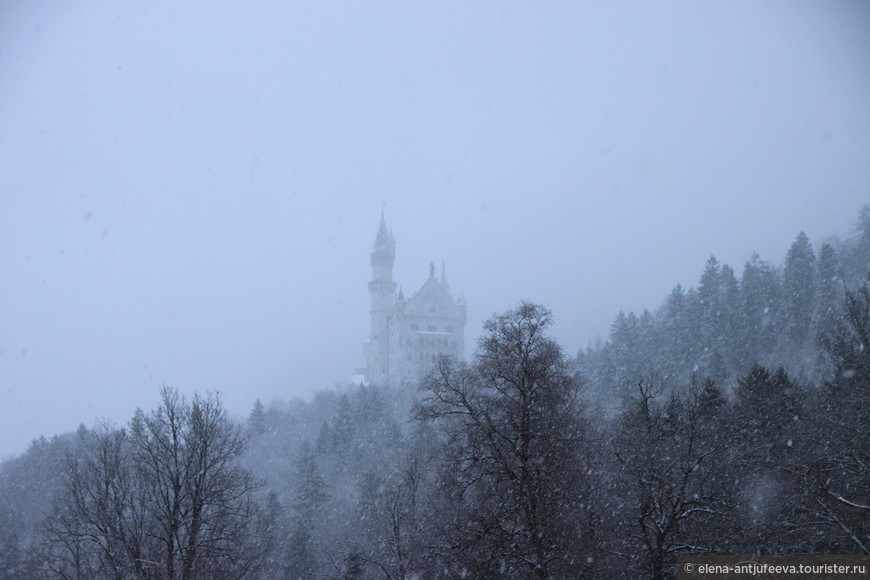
[732,419]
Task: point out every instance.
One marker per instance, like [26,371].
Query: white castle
[408,336]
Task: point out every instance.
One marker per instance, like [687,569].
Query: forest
[733,419]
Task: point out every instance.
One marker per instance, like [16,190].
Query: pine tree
[829,291]
[309,495]
[799,293]
[257,419]
[860,255]
[709,306]
[760,292]
[768,410]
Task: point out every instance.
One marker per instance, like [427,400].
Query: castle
[408,336]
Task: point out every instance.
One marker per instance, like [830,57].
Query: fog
[189,193]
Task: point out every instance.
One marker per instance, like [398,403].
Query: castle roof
[433,299]
[384,238]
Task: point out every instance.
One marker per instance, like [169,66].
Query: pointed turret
[383,254]
[384,238]
[444,277]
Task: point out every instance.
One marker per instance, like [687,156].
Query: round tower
[382,290]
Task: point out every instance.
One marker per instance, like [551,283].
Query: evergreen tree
[309,495]
[623,352]
[708,311]
[760,292]
[730,337]
[678,350]
[829,291]
[799,293]
[257,418]
[858,258]
[768,410]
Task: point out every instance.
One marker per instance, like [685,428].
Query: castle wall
[417,342]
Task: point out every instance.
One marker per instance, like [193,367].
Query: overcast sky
[189,191]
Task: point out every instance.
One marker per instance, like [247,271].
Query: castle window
[432,327]
[448,328]
[415,327]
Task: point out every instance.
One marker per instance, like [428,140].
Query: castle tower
[382,291]
[409,335]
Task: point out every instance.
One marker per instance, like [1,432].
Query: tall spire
[383,253]
[384,237]
[443,275]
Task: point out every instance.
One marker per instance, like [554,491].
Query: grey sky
[189,191]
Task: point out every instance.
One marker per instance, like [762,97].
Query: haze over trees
[733,419]
[161,499]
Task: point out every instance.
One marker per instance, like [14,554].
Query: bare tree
[95,530]
[669,457]
[164,499]
[514,428]
[841,469]
[393,507]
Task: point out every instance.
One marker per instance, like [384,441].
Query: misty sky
[189,191]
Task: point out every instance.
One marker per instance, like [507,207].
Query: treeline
[500,470]
[769,315]
[502,467]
